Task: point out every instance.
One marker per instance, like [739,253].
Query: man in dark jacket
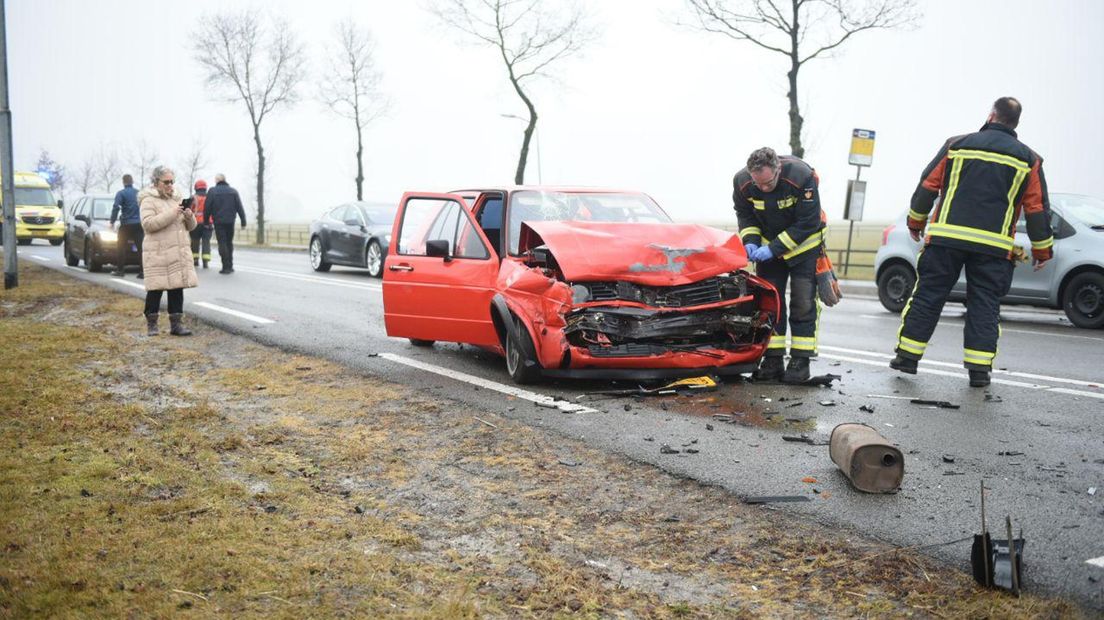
[777,203]
[125,211]
[984,180]
[222,206]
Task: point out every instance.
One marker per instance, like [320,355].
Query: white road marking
[241,315]
[540,399]
[130,284]
[41,258]
[1010,373]
[1077,393]
[1096,561]
[308,278]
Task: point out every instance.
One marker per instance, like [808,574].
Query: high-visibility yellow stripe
[813,241]
[982,354]
[973,235]
[803,343]
[908,304]
[750,230]
[788,202]
[1042,245]
[787,240]
[912,346]
[996,158]
[952,187]
[916,215]
[1012,191]
[777,342]
[759,204]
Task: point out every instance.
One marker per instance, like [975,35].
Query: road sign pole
[850,228]
[11,266]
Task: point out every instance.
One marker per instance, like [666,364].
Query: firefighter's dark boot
[903,364]
[151,324]
[797,371]
[118,272]
[979,378]
[206,263]
[770,369]
[176,326]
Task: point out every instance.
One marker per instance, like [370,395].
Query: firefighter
[984,181]
[777,207]
[201,236]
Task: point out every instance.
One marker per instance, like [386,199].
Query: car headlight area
[108,236]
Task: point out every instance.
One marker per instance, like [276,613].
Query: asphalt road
[1044,411]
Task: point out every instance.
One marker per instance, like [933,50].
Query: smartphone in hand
[186,203]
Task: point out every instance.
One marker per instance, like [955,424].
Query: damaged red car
[580,283]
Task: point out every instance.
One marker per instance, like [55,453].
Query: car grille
[38,220]
[708,291]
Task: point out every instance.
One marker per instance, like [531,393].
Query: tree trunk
[519,176]
[260,185]
[795,65]
[360,163]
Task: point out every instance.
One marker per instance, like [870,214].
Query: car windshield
[34,196]
[1085,209]
[101,208]
[380,215]
[536,206]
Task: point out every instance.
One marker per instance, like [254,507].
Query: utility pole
[11,266]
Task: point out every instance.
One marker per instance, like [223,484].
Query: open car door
[440,273]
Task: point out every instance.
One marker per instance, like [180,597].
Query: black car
[355,234]
[88,234]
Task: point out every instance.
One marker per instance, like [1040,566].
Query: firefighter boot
[797,371]
[206,263]
[151,324]
[176,326]
[979,378]
[770,369]
[903,364]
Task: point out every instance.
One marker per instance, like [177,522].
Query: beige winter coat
[166,249]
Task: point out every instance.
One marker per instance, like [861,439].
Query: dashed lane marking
[241,315]
[540,399]
[1096,561]
[130,284]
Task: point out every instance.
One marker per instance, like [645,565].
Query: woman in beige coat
[166,250]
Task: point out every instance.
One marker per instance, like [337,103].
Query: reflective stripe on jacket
[788,218]
[983,181]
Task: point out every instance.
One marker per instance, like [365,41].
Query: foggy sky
[650,106]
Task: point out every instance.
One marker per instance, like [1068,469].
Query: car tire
[70,259]
[90,263]
[318,256]
[1083,300]
[521,357]
[55,242]
[421,343]
[373,259]
[24,241]
[895,285]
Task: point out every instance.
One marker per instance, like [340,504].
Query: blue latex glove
[762,254]
[750,249]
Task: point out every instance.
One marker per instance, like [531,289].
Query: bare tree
[800,30]
[108,168]
[528,36]
[194,162]
[256,60]
[85,175]
[350,85]
[143,157]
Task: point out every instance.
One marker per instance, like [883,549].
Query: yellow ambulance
[37,213]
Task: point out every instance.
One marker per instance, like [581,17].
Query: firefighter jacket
[983,181]
[199,203]
[788,218]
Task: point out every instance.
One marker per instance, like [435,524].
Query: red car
[580,283]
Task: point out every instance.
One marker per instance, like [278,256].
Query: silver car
[1073,281]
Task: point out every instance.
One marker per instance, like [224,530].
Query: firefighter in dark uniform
[984,181]
[777,206]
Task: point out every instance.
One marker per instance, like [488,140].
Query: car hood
[649,254]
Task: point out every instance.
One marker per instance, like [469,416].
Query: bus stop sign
[862,147]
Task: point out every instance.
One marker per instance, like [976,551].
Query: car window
[352,214]
[101,208]
[76,208]
[380,216]
[34,197]
[338,213]
[427,219]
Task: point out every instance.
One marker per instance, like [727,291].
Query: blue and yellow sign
[862,147]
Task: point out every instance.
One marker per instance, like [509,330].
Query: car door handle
[400,268]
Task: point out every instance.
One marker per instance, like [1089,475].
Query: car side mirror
[83,218]
[61,204]
[438,247]
[352,222]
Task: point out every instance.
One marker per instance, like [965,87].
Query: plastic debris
[771,499]
[939,404]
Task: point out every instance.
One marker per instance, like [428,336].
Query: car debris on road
[871,463]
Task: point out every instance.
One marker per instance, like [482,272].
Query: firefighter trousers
[201,240]
[988,278]
[803,315]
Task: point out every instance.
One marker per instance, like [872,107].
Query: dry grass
[147,476]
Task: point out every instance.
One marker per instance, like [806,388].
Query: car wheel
[70,259]
[521,358]
[93,265]
[318,261]
[373,259]
[1084,300]
[422,343]
[55,242]
[24,241]
[895,285]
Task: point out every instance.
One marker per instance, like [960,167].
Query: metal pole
[850,228]
[11,265]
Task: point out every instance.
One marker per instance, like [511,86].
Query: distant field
[864,244]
